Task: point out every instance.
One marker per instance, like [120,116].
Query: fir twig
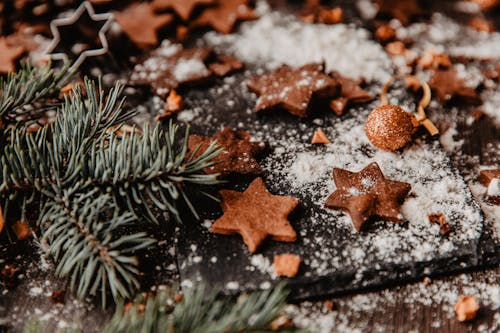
[18,91]
[87,184]
[199,311]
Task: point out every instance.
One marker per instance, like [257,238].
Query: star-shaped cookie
[8,55]
[224,16]
[293,89]
[140,23]
[238,156]
[256,214]
[183,8]
[367,194]
[171,66]
[448,85]
[350,93]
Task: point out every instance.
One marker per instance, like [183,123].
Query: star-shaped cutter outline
[67,21]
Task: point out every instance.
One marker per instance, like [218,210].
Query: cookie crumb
[286,264]
[319,137]
[466,308]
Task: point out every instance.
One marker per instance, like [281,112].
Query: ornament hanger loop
[422,104]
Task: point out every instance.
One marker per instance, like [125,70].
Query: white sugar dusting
[276,38]
[307,171]
[440,294]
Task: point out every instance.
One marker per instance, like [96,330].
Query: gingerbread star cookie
[350,93]
[448,85]
[172,66]
[238,155]
[141,24]
[183,8]
[367,194]
[224,15]
[256,214]
[8,55]
[293,89]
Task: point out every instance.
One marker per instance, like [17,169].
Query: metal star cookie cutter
[68,21]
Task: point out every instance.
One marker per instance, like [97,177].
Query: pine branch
[89,183]
[147,169]
[199,311]
[18,91]
[85,234]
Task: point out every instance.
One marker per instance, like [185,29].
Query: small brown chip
[439,218]
[181,32]
[225,65]
[477,114]
[57,296]
[396,48]
[172,106]
[480,24]
[319,137]
[427,281]
[178,297]
[412,82]
[8,275]
[286,264]
[281,322]
[330,15]
[486,176]
[385,33]
[432,59]
[466,308]
[329,305]
[21,230]
[66,90]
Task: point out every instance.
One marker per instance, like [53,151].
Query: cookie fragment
[440,218]
[466,308]
[256,214]
[286,264]
[319,137]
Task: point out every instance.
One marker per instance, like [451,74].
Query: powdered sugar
[276,39]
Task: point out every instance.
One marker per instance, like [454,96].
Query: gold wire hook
[422,104]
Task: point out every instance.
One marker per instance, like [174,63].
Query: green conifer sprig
[200,311]
[19,90]
[88,187]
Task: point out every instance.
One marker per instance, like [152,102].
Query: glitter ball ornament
[389,127]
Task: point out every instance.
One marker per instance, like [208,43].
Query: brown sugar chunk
[256,214]
[439,218]
[293,89]
[238,155]
[286,264]
[367,194]
[319,137]
[466,308]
